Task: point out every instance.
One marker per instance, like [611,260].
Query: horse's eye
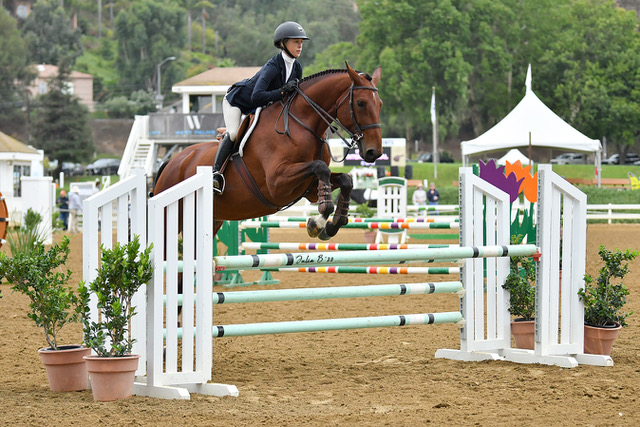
[360,104]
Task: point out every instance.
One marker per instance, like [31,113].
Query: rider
[278,77]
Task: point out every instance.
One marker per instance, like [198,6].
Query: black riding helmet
[288,30]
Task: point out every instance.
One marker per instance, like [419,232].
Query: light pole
[159,96]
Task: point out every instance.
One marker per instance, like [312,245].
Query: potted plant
[363,210]
[604,301]
[122,271]
[39,274]
[522,298]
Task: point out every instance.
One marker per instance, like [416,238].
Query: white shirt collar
[288,63]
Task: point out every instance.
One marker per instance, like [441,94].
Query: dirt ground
[370,377]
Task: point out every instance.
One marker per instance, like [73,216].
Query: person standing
[63,205]
[74,207]
[433,196]
[419,199]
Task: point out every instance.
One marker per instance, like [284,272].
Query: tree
[60,126]
[140,102]
[13,58]
[49,35]
[147,32]
[593,72]
[419,44]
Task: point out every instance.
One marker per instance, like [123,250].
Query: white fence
[177,363]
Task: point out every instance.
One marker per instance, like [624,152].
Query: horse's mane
[331,71]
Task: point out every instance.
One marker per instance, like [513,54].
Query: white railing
[607,211]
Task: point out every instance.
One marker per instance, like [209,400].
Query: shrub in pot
[522,297]
[123,270]
[604,301]
[41,276]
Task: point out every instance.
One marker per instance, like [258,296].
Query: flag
[433,107]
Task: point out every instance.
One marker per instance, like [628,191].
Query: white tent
[513,156]
[531,123]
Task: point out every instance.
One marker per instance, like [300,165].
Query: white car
[569,159]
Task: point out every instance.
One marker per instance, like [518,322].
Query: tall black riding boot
[224,149]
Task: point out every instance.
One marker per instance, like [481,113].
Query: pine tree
[60,125]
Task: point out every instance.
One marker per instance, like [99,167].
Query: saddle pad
[249,131]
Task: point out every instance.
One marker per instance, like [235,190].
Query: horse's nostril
[371,155]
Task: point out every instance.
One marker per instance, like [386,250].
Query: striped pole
[318,259]
[360,225]
[273,295]
[345,269]
[276,218]
[338,246]
[239,330]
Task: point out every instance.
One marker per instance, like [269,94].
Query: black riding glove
[289,87]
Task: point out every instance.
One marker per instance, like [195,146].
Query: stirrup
[217,188]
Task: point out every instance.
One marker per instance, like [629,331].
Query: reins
[355,136]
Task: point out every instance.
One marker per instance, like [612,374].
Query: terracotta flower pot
[523,332]
[66,368]
[370,236]
[112,377]
[599,339]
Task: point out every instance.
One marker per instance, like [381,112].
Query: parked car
[423,158]
[72,169]
[569,159]
[630,158]
[428,158]
[103,167]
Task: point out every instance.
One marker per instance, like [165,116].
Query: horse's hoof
[312,229]
[323,235]
[315,225]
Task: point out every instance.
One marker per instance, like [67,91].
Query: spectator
[63,205]
[74,207]
[419,199]
[433,196]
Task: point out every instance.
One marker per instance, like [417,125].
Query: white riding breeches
[232,118]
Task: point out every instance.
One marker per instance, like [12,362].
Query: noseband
[356,135]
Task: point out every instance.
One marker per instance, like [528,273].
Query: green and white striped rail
[319,259]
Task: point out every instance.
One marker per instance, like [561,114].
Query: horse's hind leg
[341,215]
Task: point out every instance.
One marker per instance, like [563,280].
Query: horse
[286,157]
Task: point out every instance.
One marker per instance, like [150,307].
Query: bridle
[356,135]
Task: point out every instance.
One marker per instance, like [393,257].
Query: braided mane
[323,73]
[333,71]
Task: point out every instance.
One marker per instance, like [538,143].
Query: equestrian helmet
[288,30]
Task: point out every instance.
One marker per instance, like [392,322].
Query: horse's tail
[155,180]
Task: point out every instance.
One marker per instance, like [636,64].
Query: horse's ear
[353,73]
[377,73]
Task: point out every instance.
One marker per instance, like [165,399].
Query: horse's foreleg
[341,215]
[316,225]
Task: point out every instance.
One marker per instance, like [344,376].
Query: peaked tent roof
[513,156]
[530,116]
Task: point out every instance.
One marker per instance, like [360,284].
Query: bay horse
[286,157]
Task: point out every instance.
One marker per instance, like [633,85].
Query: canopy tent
[531,123]
[513,156]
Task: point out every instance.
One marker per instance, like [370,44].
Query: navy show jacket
[264,87]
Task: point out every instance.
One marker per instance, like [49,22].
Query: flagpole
[434,122]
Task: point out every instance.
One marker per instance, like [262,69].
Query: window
[43,88]
[18,172]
